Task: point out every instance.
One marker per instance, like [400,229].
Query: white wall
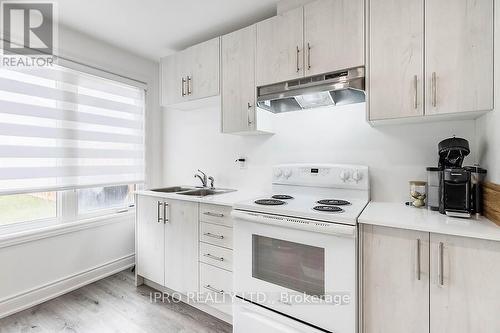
[395,154]
[488,126]
[35,270]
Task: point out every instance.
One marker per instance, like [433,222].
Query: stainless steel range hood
[336,88]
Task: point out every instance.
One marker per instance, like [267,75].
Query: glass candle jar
[418,193]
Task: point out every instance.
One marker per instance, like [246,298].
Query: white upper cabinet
[238,80]
[334,35]
[464,285]
[459,55]
[203,79]
[280,48]
[191,74]
[396,59]
[451,39]
[173,78]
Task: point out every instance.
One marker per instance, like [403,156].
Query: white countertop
[226,199]
[397,215]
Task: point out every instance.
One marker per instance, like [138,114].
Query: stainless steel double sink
[193,191]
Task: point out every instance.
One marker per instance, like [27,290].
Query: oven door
[308,275]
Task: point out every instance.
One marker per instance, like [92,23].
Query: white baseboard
[62,286]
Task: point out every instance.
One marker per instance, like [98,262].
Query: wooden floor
[113,305]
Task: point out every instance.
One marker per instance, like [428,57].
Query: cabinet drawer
[216,214]
[217,256]
[216,235]
[218,283]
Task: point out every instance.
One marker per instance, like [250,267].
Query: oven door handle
[297,223]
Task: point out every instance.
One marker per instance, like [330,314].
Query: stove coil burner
[282,197]
[269,202]
[328,209]
[333,202]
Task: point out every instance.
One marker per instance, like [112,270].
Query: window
[100,198]
[67,136]
[16,208]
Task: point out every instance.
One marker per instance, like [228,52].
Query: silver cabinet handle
[298,52]
[434,89]
[165,219]
[249,109]
[208,255]
[189,91]
[158,212]
[418,260]
[183,83]
[213,214]
[209,234]
[308,56]
[209,287]
[441,264]
[415,91]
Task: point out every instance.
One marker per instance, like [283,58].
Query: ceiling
[155,28]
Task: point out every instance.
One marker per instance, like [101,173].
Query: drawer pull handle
[158,213]
[213,214]
[208,255]
[209,234]
[209,287]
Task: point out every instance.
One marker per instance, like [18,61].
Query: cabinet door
[334,35]
[395,280]
[203,69]
[173,79]
[466,298]
[150,239]
[181,246]
[459,55]
[238,80]
[280,52]
[396,55]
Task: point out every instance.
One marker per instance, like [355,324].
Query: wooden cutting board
[491,202]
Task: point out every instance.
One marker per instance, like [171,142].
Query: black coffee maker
[460,196]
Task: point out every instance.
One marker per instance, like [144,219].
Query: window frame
[67,200]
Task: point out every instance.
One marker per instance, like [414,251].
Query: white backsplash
[395,154]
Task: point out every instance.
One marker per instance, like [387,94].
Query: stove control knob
[357,176]
[344,175]
[287,173]
[278,173]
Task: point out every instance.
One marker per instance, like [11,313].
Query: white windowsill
[14,238]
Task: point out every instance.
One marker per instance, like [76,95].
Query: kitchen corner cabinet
[322,36]
[395,280]
[150,238]
[451,39]
[459,55]
[238,80]
[191,74]
[466,299]
[457,291]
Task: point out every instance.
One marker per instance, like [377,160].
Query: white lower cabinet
[216,256]
[181,246]
[457,291]
[395,295]
[464,285]
[150,239]
[167,242]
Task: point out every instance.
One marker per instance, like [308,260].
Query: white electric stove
[295,266]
